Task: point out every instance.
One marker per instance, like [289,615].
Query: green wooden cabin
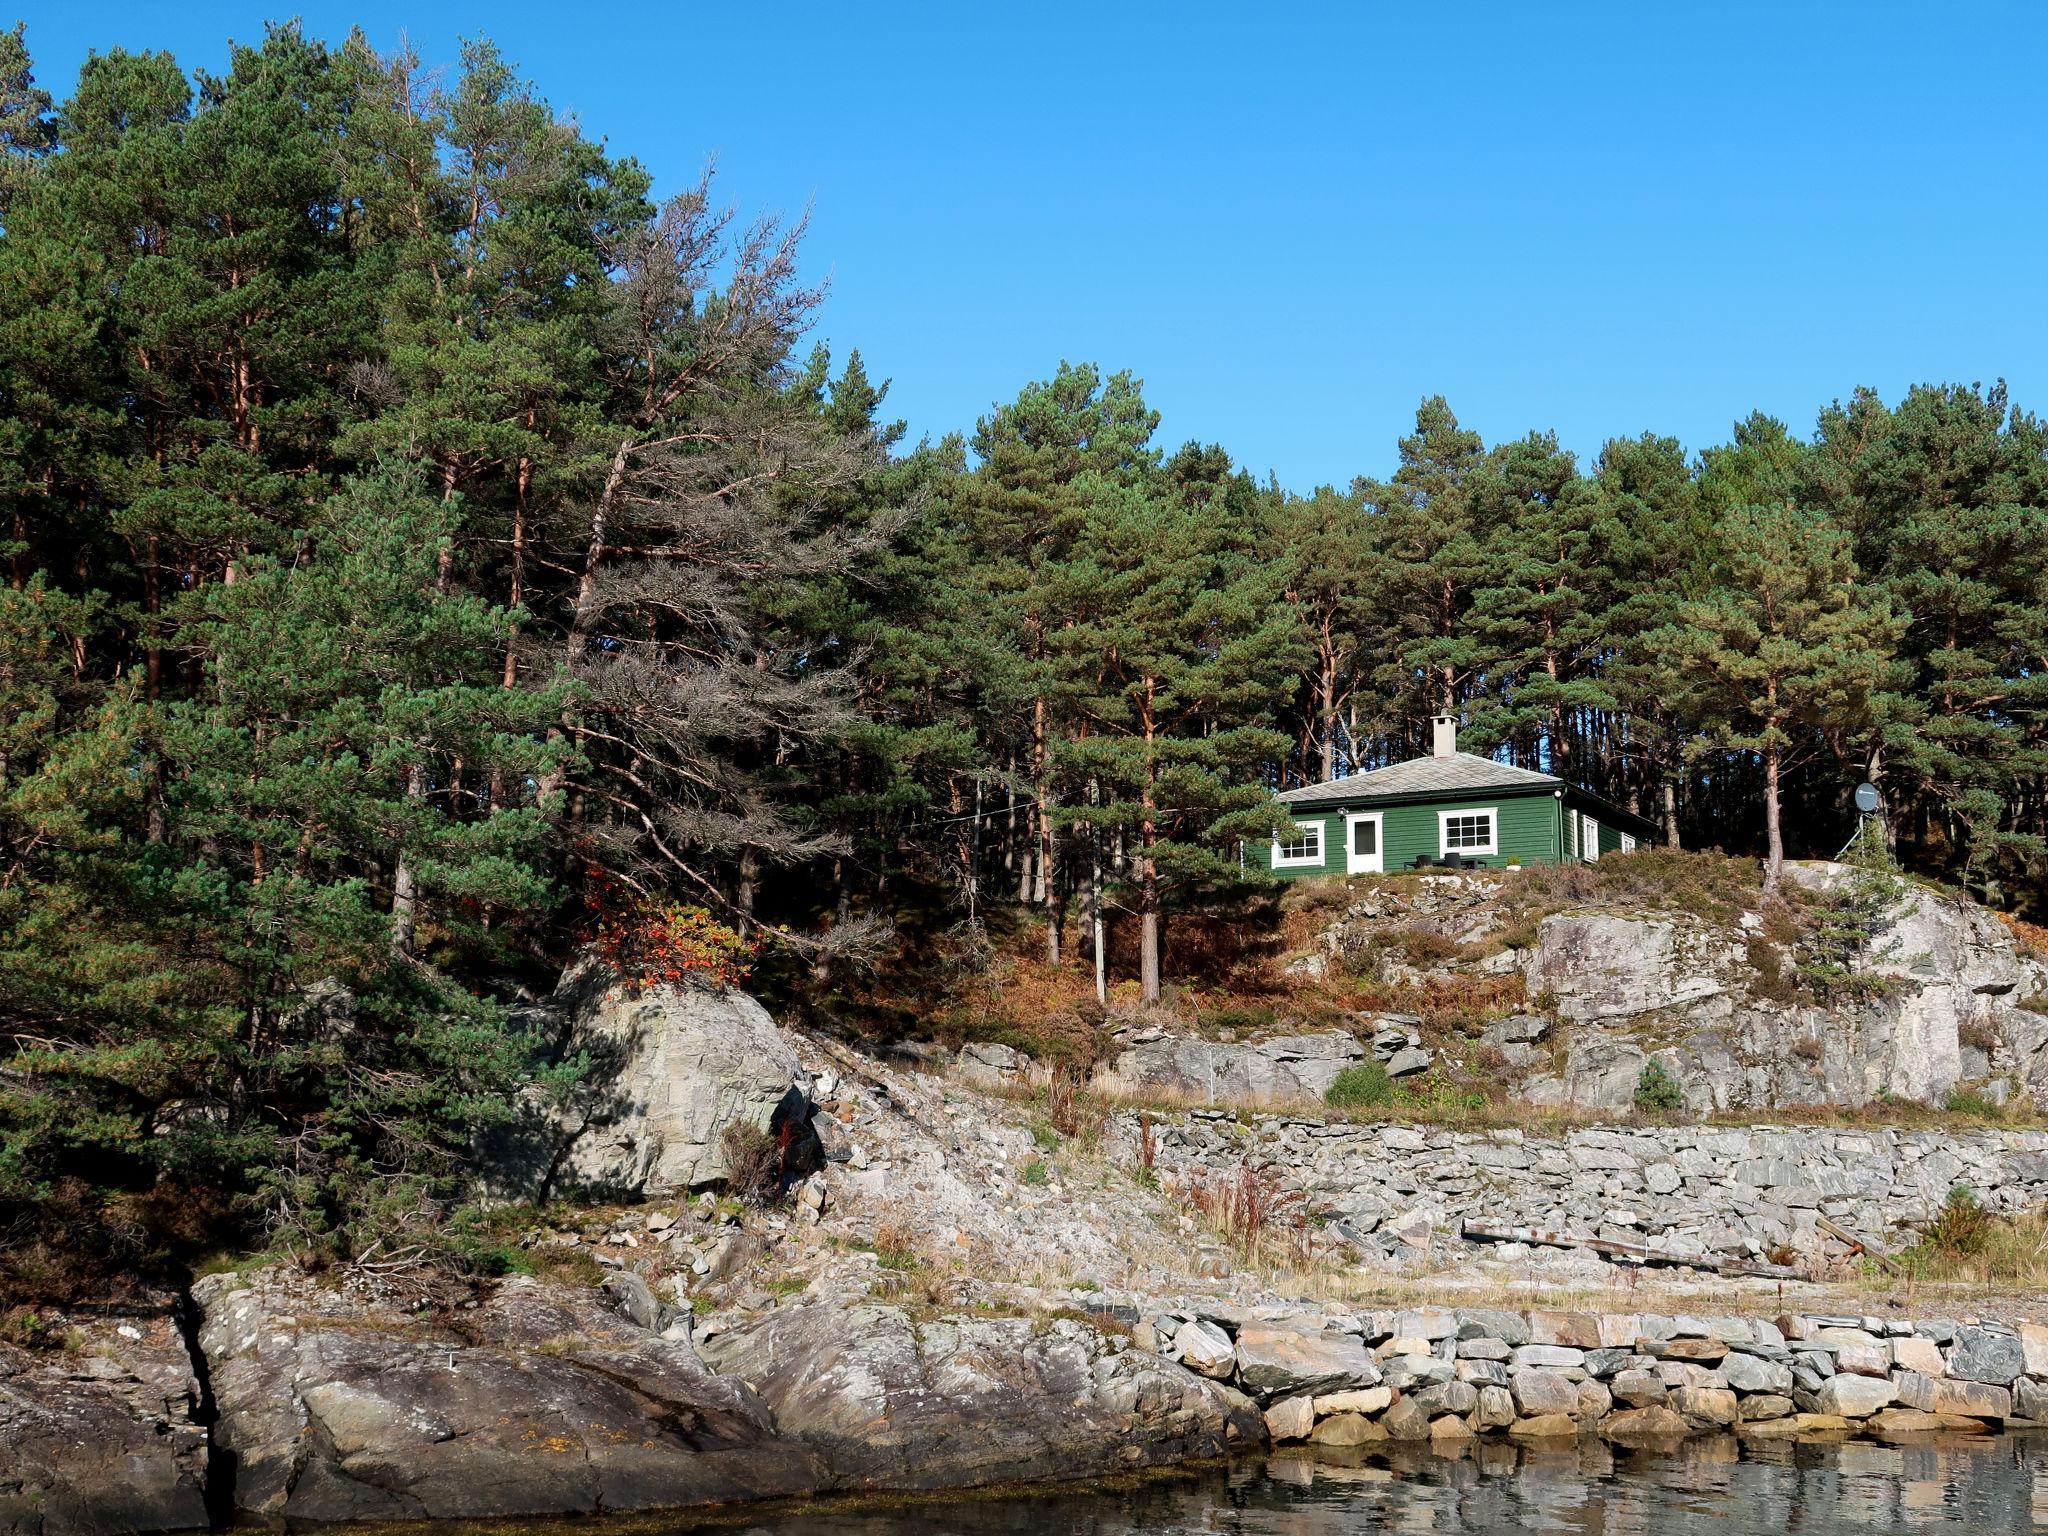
[1450,802]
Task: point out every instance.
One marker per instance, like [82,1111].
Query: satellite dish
[1867,800]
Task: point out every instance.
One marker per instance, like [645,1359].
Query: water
[1707,1488]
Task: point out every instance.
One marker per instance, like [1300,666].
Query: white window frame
[1315,861]
[1589,846]
[1628,842]
[1443,827]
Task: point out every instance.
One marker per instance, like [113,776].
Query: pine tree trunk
[1873,772]
[404,886]
[1148,868]
[1047,886]
[1095,897]
[1774,839]
[1327,714]
[585,613]
[749,883]
[516,593]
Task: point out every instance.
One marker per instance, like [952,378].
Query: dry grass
[1248,1209]
[1436,1101]
[2031,937]
[1709,885]
[1968,1246]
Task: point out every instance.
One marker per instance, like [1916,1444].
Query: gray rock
[1407,1372]
[1447,1397]
[104,1443]
[993,1065]
[1276,1360]
[1980,1354]
[1537,1392]
[1854,1397]
[1288,1069]
[1406,1063]
[1510,1328]
[1550,1356]
[889,1403]
[672,1068]
[338,1411]
[1204,1347]
[1750,1373]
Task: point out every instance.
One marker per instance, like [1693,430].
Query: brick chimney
[1446,735]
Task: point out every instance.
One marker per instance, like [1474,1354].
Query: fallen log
[1858,1244]
[1635,1253]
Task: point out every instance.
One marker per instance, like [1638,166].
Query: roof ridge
[1422,775]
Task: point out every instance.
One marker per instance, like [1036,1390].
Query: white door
[1362,853]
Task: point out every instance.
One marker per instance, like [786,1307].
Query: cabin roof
[1459,773]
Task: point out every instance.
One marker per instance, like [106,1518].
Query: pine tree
[1431,537]
[1787,642]
[1333,573]
[1177,651]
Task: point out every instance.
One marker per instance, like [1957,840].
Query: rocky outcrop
[104,1435]
[1286,1069]
[1601,966]
[1936,1003]
[671,1067]
[545,1403]
[1717,1191]
[889,1402]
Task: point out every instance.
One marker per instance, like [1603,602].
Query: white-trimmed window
[1589,838]
[1303,848]
[1628,842]
[1469,832]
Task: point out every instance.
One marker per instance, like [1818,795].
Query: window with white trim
[1628,842]
[1471,832]
[1589,838]
[1305,846]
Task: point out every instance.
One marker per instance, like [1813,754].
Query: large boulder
[1287,1069]
[101,1439]
[671,1069]
[1601,966]
[890,1402]
[1279,1359]
[546,1402]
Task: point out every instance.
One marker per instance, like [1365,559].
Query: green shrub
[1242,1017]
[1657,1090]
[1035,1172]
[1968,1101]
[1363,1086]
[1963,1224]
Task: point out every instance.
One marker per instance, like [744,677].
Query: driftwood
[1858,1244]
[1635,1253]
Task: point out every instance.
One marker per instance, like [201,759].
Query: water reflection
[1711,1487]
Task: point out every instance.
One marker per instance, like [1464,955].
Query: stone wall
[1343,1378]
[1729,1191]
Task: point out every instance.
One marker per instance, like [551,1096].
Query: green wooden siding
[1526,826]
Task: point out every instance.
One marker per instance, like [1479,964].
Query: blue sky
[1293,222]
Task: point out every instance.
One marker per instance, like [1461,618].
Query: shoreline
[309,1406]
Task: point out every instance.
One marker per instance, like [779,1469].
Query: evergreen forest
[427,551]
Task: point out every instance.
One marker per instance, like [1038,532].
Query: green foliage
[1657,1092]
[1037,1173]
[1844,924]
[1962,1226]
[1243,1018]
[1978,1106]
[1363,1085]
[412,531]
